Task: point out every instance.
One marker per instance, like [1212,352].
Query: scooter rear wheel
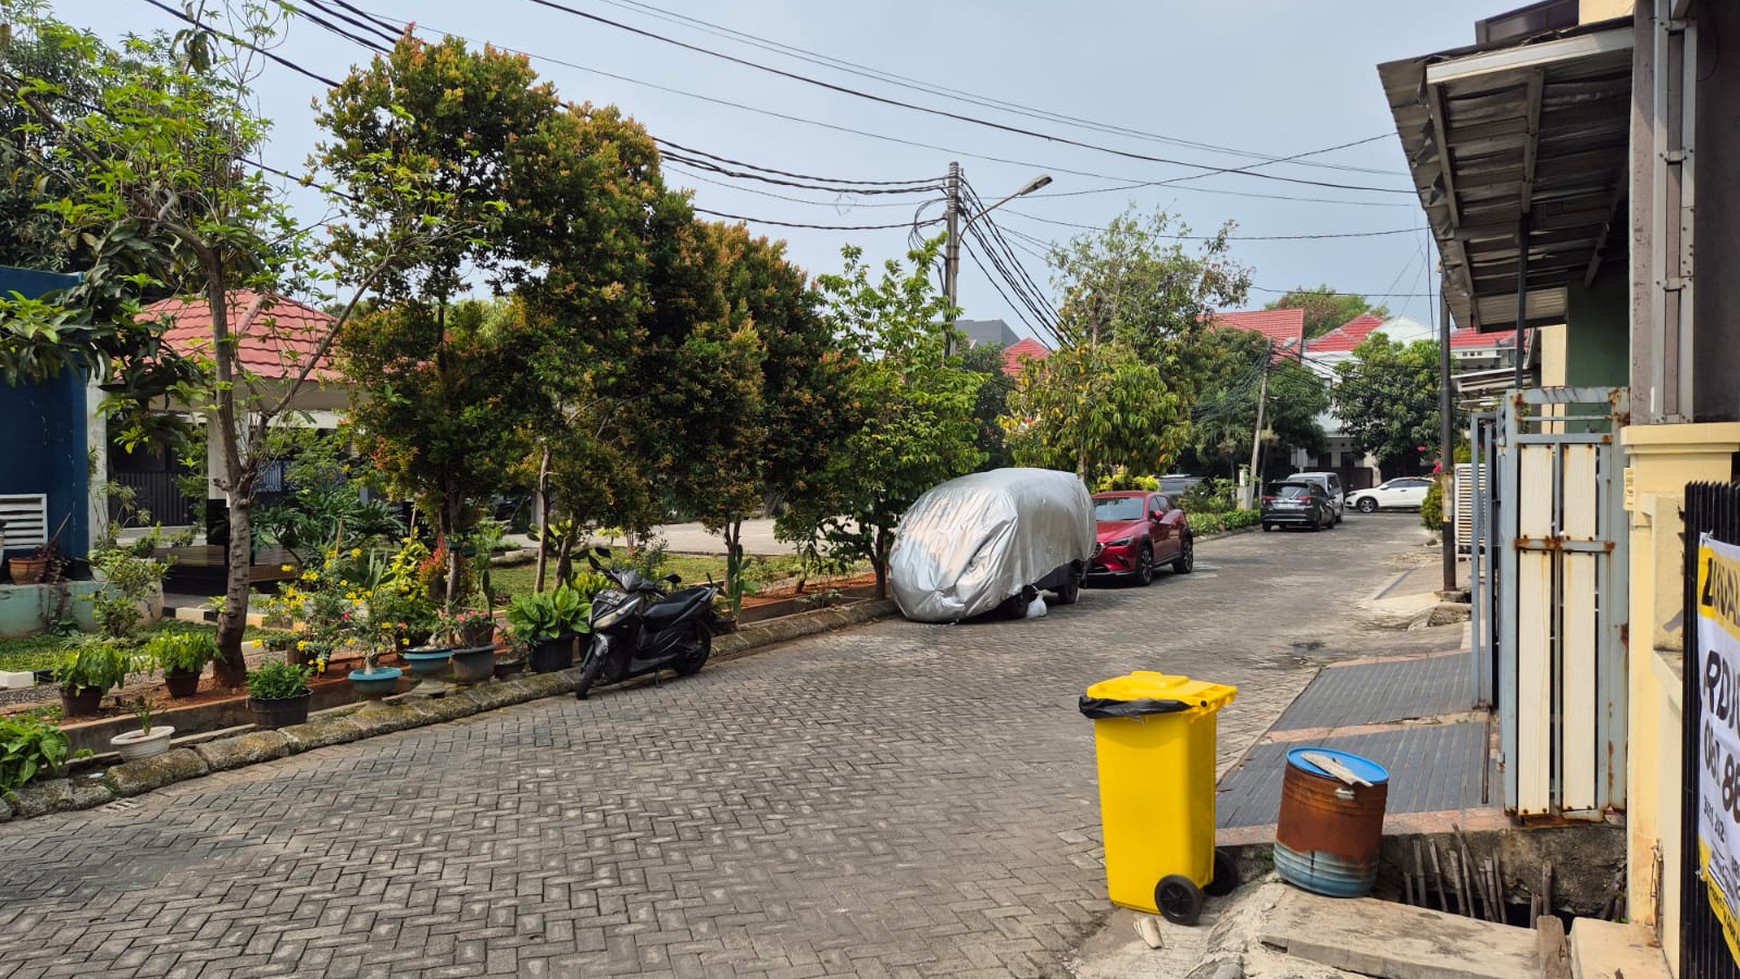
[692,663]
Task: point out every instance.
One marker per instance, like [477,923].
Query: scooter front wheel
[691,664]
[588,676]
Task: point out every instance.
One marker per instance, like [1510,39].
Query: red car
[1137,531]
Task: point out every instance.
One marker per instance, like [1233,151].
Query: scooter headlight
[613,616]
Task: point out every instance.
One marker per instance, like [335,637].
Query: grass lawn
[37,652]
[516,579]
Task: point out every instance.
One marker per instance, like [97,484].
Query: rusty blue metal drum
[1329,831]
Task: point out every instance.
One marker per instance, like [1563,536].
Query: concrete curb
[342,725]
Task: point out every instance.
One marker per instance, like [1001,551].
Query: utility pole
[952,251]
[1257,433]
[1446,442]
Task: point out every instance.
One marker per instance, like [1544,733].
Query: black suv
[1297,503]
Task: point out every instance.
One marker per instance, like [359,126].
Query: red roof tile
[1471,339]
[1026,348]
[277,335]
[1285,327]
[1346,336]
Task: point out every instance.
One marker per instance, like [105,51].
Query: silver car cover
[968,544]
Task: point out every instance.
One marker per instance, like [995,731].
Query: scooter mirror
[603,550]
[594,562]
[674,578]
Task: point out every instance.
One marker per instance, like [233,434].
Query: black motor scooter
[637,628]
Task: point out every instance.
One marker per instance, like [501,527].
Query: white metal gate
[1561,589]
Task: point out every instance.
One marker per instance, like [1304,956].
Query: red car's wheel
[1145,566]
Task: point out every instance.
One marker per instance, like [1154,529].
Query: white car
[1403,491]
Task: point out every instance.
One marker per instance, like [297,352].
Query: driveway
[894,800]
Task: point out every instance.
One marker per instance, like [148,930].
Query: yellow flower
[286,567]
[302,644]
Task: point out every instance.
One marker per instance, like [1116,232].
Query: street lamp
[952,259]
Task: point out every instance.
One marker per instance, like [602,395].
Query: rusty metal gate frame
[1563,601]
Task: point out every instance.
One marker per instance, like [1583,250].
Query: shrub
[1216,523]
[182,652]
[1209,496]
[547,615]
[29,748]
[1432,507]
[93,664]
[278,680]
[129,580]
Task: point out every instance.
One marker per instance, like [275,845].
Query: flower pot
[510,667]
[473,664]
[428,661]
[82,702]
[27,570]
[553,654]
[181,683]
[373,686]
[272,714]
[135,745]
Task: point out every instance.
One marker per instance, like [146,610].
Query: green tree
[751,389]
[558,205]
[1224,418]
[1325,309]
[992,403]
[1386,396]
[1136,307]
[30,234]
[162,192]
[910,421]
[450,396]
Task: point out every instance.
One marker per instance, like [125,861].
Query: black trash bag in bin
[1099,708]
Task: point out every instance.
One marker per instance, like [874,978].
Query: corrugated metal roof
[1538,124]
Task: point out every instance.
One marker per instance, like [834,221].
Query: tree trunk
[733,554]
[453,505]
[884,542]
[565,555]
[231,667]
[543,519]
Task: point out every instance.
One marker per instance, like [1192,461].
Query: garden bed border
[354,722]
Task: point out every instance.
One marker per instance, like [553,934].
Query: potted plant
[467,626]
[182,657]
[86,671]
[551,623]
[374,681]
[278,694]
[149,741]
[513,661]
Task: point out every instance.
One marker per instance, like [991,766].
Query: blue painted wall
[43,442]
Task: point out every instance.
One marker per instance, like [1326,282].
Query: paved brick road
[898,800]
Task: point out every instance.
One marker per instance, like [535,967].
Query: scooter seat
[676,605]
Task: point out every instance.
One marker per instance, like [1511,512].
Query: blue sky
[1262,76]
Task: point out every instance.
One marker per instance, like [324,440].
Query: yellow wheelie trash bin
[1154,735]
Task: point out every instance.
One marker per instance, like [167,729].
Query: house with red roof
[1026,348]
[279,342]
[1284,328]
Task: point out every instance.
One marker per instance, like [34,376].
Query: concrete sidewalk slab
[1374,692]
[1395,941]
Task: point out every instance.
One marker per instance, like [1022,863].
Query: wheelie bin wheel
[1226,875]
[1179,899]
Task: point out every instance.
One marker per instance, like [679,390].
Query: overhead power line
[1309,237]
[945,113]
[915,84]
[1122,183]
[818,227]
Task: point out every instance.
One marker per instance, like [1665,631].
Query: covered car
[977,542]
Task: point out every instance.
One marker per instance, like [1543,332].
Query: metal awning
[1529,133]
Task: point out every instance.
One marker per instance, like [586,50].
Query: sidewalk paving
[1410,709]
